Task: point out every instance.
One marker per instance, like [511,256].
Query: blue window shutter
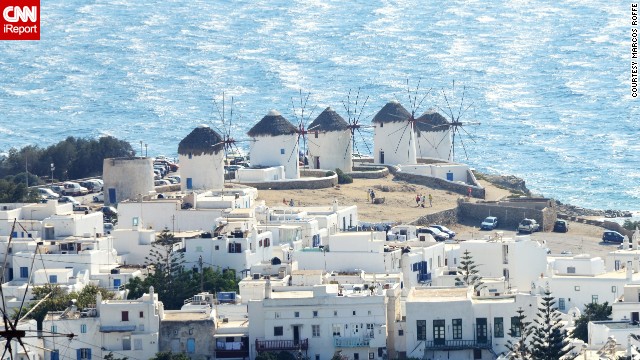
[78,355]
[89,357]
[55,355]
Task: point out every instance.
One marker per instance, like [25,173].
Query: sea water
[548,81]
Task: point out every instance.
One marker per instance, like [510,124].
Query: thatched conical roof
[432,121]
[328,120]
[273,124]
[392,112]
[202,140]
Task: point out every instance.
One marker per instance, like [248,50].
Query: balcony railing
[350,342]
[458,344]
[269,345]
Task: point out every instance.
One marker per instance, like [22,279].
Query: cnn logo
[20,20]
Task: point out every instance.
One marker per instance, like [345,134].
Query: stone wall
[437,183]
[608,225]
[369,172]
[508,216]
[445,217]
[295,184]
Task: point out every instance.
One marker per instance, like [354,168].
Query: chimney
[267,289]
[629,270]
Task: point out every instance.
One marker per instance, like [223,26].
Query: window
[235,248]
[571,269]
[438,332]
[576,288]
[372,355]
[594,299]
[381,124]
[515,326]
[316,134]
[55,355]
[24,272]
[421,331]
[561,304]
[457,328]
[317,356]
[356,356]
[54,329]
[315,314]
[354,313]
[137,344]
[190,155]
[477,354]
[335,313]
[141,314]
[135,221]
[217,247]
[125,316]
[278,331]
[336,329]
[296,314]
[315,330]
[83,328]
[83,354]
[614,289]
[281,151]
[126,343]
[53,279]
[498,327]
[400,332]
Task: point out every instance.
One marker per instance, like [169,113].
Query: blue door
[116,283]
[450,176]
[191,345]
[189,183]
[112,196]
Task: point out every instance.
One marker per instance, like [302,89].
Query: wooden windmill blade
[455,115]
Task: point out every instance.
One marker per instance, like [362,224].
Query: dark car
[561,226]
[109,211]
[437,234]
[445,230]
[612,236]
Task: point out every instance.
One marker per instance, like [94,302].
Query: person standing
[430,201]
[418,200]
[422,200]
[373,196]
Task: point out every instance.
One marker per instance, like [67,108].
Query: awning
[117,328]
[230,335]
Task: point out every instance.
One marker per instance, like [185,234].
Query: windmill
[454,123]
[228,142]
[394,137]
[354,114]
[11,332]
[302,121]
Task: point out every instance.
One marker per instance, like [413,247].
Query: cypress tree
[519,331]
[548,336]
[468,272]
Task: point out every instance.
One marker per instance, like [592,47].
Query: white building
[433,136]
[201,159]
[123,327]
[320,321]
[444,323]
[275,144]
[329,142]
[394,139]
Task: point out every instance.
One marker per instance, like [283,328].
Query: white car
[98,197]
[47,193]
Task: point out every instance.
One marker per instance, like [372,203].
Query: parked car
[47,193]
[445,230]
[489,223]
[91,185]
[561,226]
[109,211]
[74,189]
[612,236]
[437,234]
[528,226]
[161,182]
[176,178]
[58,189]
[68,199]
[172,180]
[99,197]
[82,208]
[107,228]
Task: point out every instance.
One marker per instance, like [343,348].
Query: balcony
[270,345]
[350,342]
[458,344]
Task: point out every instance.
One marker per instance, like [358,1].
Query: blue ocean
[548,81]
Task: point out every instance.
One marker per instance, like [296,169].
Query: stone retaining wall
[445,217]
[608,225]
[291,184]
[369,172]
[508,216]
[437,183]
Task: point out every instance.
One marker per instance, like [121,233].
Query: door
[481,330]
[450,176]
[634,317]
[317,162]
[381,157]
[296,334]
[175,346]
[117,283]
[189,183]
[112,196]
[438,332]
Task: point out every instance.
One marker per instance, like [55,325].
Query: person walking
[418,200]
[430,201]
[291,203]
[373,197]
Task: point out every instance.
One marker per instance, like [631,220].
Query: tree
[168,355]
[631,225]
[519,330]
[592,312]
[548,336]
[110,356]
[467,272]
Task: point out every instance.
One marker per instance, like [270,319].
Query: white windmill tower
[394,137]
[433,136]
[275,139]
[201,155]
[327,135]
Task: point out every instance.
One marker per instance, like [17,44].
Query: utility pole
[141,148]
[201,274]
[53,167]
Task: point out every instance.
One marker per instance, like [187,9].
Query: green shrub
[343,178]
[329,173]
